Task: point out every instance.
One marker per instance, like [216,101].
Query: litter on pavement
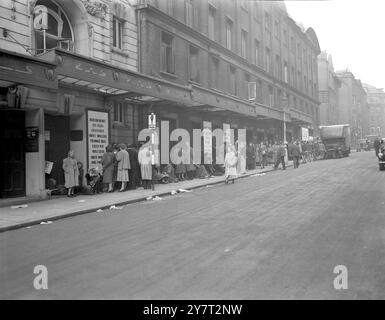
[113,207]
[184,190]
[149,198]
[19,206]
[173,192]
[258,174]
[82,201]
[46,222]
[99,210]
[157,198]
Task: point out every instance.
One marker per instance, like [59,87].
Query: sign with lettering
[97,136]
[207,141]
[32,139]
[305,134]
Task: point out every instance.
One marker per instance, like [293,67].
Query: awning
[95,75]
[300,118]
[21,69]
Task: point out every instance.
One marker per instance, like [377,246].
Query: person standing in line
[280,156]
[263,153]
[108,167]
[145,161]
[134,173]
[295,154]
[231,161]
[123,159]
[71,173]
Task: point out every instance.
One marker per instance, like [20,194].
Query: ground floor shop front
[57,108]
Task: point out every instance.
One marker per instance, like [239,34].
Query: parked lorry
[336,139]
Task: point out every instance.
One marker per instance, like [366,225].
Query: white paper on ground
[184,190]
[19,206]
[46,222]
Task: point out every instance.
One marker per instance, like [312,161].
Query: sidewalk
[62,207]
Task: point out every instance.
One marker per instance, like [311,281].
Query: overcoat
[71,172]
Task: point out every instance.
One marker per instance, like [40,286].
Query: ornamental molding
[95,8]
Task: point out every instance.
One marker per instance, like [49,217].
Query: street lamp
[285,105]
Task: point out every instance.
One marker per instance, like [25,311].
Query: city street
[273,236]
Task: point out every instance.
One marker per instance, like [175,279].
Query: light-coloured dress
[123,159]
[71,172]
[231,161]
[145,161]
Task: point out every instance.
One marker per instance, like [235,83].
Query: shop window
[167,54]
[117,32]
[58,30]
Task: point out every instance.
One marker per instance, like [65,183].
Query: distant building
[353,107]
[376,104]
[329,85]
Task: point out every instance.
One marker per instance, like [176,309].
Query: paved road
[276,236]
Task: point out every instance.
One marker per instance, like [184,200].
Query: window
[285,72]
[170,7]
[244,44]
[278,67]
[215,73]
[267,21]
[58,32]
[257,11]
[276,29]
[256,53]
[299,80]
[292,44]
[167,55]
[271,96]
[293,78]
[211,22]
[189,12]
[252,90]
[118,112]
[299,54]
[232,81]
[117,33]
[285,37]
[267,59]
[259,91]
[229,34]
[194,64]
[246,86]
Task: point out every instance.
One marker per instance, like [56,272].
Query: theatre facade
[79,74]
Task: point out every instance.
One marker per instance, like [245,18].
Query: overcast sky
[352,31]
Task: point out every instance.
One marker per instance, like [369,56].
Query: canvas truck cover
[330,132]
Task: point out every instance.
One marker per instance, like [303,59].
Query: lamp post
[285,103]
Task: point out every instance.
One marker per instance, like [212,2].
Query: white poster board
[207,141]
[97,136]
[305,134]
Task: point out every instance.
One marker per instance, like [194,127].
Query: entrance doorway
[57,144]
[12,155]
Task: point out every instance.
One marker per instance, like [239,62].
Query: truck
[336,139]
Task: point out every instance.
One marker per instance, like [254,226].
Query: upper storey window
[51,27]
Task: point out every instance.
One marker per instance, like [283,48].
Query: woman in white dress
[231,161]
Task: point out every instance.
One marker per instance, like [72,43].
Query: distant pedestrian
[108,167]
[263,154]
[123,159]
[134,173]
[71,173]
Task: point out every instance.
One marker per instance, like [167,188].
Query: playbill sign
[98,136]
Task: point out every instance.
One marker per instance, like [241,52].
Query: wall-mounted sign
[152,121]
[32,139]
[48,167]
[40,21]
[97,136]
[207,141]
[305,134]
[47,135]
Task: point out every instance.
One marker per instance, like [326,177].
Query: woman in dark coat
[134,173]
[108,161]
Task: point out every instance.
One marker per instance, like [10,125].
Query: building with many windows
[376,105]
[329,85]
[353,108]
[247,63]
[78,74]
